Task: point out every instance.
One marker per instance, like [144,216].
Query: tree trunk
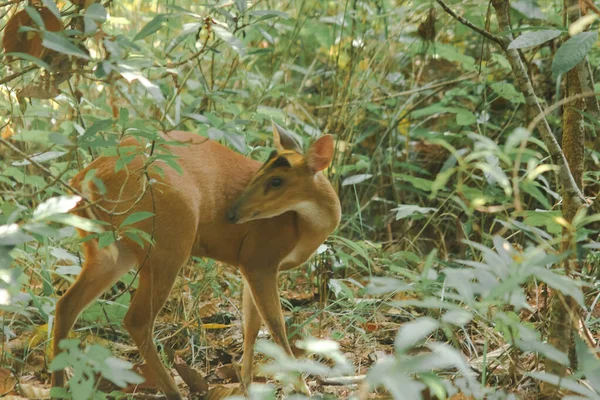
[560,321]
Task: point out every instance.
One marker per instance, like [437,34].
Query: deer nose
[232,215]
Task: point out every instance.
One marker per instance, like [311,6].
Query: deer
[261,218]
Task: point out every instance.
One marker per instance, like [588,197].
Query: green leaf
[531,188]
[76,221]
[56,42]
[235,43]
[27,57]
[508,91]
[528,8]
[151,27]
[98,126]
[12,235]
[413,332]
[356,179]
[535,38]
[546,219]
[105,239]
[96,12]
[51,5]
[465,117]
[544,349]
[408,210]
[136,217]
[266,14]
[241,5]
[55,205]
[564,284]
[60,362]
[35,16]
[419,183]
[572,52]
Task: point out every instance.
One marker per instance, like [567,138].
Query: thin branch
[404,93]
[43,169]
[17,74]
[472,26]
[538,118]
[10,3]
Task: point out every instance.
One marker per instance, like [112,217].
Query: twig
[472,26]
[341,380]
[404,93]
[556,105]
[17,74]
[43,169]
[11,2]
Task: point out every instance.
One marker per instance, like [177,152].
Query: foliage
[452,239]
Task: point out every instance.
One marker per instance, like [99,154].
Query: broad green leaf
[411,333]
[534,38]
[508,91]
[12,235]
[546,219]
[136,217]
[544,349]
[35,16]
[151,27]
[457,317]
[235,43]
[565,383]
[419,183]
[98,126]
[238,141]
[61,44]
[528,8]
[51,5]
[105,239]
[572,52]
[564,284]
[96,12]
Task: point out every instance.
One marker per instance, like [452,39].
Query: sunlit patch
[4,297]
[478,202]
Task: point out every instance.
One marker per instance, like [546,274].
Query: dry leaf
[216,326]
[222,392]
[7,133]
[227,373]
[33,391]
[192,378]
[28,42]
[7,381]
[208,310]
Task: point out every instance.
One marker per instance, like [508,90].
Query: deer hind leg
[155,283]
[252,323]
[101,269]
[263,285]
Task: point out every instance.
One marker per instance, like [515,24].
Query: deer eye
[276,181]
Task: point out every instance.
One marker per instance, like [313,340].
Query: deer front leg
[252,322]
[262,283]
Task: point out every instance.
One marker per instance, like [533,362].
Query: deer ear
[320,153]
[284,140]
